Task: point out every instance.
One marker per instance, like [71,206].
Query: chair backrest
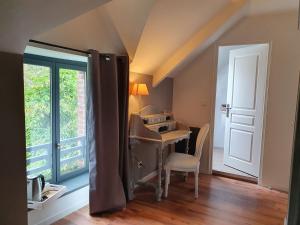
[200,140]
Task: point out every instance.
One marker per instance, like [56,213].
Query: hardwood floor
[221,201]
[218,165]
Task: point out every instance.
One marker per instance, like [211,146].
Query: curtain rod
[59,46]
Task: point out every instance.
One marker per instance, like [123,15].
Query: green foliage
[68,103]
[38,106]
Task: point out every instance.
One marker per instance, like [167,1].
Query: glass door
[55,116]
[38,119]
[71,121]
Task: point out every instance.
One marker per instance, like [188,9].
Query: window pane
[72,120]
[37,88]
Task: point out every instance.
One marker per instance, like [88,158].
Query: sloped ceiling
[129,18]
[21,20]
[169,25]
[198,42]
[271,6]
[92,30]
[155,33]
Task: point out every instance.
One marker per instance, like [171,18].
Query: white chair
[185,162]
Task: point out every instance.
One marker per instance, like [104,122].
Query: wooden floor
[218,164]
[221,201]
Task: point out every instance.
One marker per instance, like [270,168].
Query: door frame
[55,64]
[294,194]
[213,94]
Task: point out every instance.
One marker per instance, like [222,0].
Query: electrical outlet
[140,164]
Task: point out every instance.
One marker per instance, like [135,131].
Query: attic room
[150,112]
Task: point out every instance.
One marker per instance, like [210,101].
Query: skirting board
[61,208]
[275,188]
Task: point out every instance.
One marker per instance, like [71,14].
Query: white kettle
[35,186]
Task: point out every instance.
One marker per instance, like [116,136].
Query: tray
[51,192]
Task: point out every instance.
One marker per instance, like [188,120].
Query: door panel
[241,119]
[72,121]
[244,81]
[241,145]
[247,78]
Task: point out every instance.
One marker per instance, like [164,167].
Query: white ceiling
[92,30]
[150,31]
[169,25]
[20,20]
[129,18]
[115,27]
[206,35]
[272,6]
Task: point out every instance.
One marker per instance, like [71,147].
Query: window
[55,117]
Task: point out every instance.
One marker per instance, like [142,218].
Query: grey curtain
[107,131]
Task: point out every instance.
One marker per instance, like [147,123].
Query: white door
[247,79]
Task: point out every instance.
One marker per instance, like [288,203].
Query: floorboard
[222,201]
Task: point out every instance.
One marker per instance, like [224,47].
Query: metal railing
[43,154]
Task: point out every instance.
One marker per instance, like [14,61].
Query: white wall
[55,53]
[269,6]
[194,87]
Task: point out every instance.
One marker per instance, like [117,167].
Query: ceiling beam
[208,34]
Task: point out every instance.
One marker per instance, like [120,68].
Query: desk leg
[186,152]
[160,165]
[187,146]
[132,172]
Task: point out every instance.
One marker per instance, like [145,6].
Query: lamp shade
[140,89]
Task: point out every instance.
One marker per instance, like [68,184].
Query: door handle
[228,108]
[58,146]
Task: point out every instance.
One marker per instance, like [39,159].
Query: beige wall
[13,207]
[192,97]
[161,97]
[194,89]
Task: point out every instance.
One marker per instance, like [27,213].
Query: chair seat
[186,163]
[182,162]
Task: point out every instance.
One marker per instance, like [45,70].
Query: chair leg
[186,175]
[167,182]
[196,183]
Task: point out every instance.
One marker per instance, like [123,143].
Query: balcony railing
[72,149]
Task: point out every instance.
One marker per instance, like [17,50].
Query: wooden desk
[166,139]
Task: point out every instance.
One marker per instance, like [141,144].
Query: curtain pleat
[123,94]
[107,133]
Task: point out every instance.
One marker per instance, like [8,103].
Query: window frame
[55,64]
